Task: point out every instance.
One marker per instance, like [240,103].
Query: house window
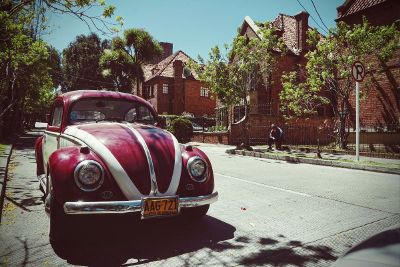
[204,92]
[165,88]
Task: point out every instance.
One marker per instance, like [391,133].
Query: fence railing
[387,139]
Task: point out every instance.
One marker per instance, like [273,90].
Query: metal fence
[386,140]
[292,135]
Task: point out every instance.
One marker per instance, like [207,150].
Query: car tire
[195,213]
[59,229]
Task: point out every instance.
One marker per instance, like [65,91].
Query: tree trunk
[342,134]
[244,126]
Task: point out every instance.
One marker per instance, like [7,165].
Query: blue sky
[193,26]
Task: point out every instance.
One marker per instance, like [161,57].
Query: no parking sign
[358,71]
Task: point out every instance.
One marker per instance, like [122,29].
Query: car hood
[143,160]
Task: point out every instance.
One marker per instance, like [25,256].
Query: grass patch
[372,163]
[364,162]
[2,148]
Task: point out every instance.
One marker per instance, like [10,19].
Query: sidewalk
[328,159]
[5,153]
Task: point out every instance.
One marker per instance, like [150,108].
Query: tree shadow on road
[293,253]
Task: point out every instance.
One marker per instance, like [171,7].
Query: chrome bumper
[118,207]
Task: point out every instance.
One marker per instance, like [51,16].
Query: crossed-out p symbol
[358,71]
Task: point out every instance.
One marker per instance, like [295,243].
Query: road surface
[270,213]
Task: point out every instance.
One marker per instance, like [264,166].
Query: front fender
[203,188]
[39,156]
[62,165]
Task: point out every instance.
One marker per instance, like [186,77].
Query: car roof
[72,96]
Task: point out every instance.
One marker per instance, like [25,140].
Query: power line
[316,10]
[81,78]
[312,17]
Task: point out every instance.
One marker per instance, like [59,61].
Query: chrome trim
[72,139]
[120,207]
[154,186]
[77,180]
[55,134]
[42,181]
[190,161]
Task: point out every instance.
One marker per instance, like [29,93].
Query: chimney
[302,28]
[167,49]
[178,93]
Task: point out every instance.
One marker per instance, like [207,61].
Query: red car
[102,153]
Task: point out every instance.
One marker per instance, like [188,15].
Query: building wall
[196,104]
[161,102]
[380,100]
[193,102]
[380,104]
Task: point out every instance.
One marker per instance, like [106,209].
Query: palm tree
[124,62]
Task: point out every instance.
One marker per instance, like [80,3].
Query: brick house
[173,89]
[380,109]
[264,100]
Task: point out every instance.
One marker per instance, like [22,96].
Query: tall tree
[328,69]
[80,9]
[124,62]
[81,67]
[247,65]
[24,70]
[28,66]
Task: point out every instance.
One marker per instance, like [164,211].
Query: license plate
[159,207]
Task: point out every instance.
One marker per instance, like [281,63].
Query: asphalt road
[270,213]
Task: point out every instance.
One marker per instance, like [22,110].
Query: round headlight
[89,175]
[197,169]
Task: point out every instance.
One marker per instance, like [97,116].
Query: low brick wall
[211,138]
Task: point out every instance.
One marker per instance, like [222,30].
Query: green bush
[218,128]
[182,129]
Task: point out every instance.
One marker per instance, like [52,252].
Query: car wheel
[195,213]
[59,229]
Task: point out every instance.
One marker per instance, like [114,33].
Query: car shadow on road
[142,242]
[208,241]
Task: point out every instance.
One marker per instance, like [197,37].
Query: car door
[52,134]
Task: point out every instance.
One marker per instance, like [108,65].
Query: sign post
[358,72]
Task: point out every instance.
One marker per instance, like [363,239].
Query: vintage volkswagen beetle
[102,153]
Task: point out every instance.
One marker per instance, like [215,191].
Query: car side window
[57,115]
[145,115]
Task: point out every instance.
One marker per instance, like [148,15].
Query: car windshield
[96,110]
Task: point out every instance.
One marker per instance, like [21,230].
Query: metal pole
[358,121]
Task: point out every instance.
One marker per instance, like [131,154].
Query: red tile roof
[283,23]
[353,6]
[165,67]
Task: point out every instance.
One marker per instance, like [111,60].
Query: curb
[322,162]
[4,161]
